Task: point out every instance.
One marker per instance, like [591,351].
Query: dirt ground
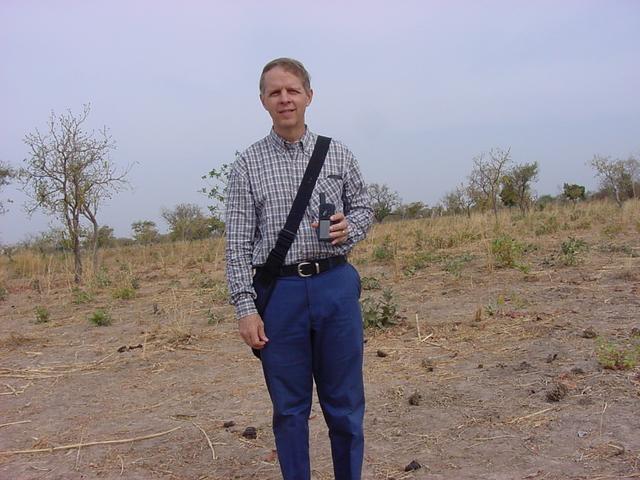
[489,374]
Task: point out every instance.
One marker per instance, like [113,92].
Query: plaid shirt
[262,184]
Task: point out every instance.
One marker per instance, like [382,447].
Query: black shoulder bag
[265,278]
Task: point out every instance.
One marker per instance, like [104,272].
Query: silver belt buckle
[304,275]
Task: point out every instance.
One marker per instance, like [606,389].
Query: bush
[80,296]
[617,357]
[100,317]
[570,250]
[124,293]
[384,251]
[379,313]
[3,293]
[507,251]
[42,314]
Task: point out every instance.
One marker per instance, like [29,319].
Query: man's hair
[291,66]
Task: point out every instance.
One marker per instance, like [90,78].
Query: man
[312,325]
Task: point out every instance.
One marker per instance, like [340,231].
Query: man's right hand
[252,331]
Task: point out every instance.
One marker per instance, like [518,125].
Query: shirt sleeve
[357,205]
[240,219]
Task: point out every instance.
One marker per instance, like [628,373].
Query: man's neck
[292,135]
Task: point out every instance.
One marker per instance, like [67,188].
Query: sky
[416,89]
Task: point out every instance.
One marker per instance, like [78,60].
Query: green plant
[617,357]
[570,249]
[384,251]
[213,318]
[124,293]
[507,252]
[42,314]
[379,313]
[81,296]
[549,225]
[3,293]
[101,278]
[370,283]
[455,264]
[100,318]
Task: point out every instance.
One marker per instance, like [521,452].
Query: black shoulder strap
[288,234]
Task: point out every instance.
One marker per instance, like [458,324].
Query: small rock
[415,399]
[635,332]
[551,357]
[582,434]
[381,353]
[577,371]
[250,433]
[229,424]
[589,332]
[412,466]
[480,365]
[557,393]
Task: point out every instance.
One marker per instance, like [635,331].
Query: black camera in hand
[325,211]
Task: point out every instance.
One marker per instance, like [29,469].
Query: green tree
[145,232]
[187,222]
[516,186]
[383,200]
[573,192]
[217,180]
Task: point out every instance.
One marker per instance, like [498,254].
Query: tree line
[69,174]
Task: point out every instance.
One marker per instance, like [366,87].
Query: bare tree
[69,174]
[632,166]
[613,174]
[486,176]
[458,200]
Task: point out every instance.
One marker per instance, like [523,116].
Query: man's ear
[262,101]
[310,94]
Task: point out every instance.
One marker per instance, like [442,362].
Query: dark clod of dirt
[557,393]
[524,365]
[577,371]
[480,365]
[589,332]
[412,466]
[428,364]
[415,399]
[229,424]
[124,348]
[635,332]
[381,353]
[551,357]
[250,432]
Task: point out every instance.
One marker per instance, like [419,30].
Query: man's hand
[339,231]
[251,330]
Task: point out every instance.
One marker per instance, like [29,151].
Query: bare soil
[489,374]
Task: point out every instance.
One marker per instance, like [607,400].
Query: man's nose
[284,96]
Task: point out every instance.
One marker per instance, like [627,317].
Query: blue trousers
[314,326]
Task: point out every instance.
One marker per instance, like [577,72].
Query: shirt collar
[306,142]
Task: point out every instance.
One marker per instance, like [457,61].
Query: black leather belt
[312,267]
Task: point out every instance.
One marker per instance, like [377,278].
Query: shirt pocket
[331,184]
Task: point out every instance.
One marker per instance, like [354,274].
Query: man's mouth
[290,110]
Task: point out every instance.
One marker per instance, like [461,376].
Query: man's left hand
[339,230]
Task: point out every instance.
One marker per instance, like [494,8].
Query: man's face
[286,100]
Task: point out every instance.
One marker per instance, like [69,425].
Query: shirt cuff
[245,306]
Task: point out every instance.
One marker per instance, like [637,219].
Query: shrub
[549,225]
[370,283]
[124,293]
[617,357]
[379,313]
[3,293]
[384,251]
[42,314]
[507,252]
[455,264]
[570,249]
[100,317]
[81,296]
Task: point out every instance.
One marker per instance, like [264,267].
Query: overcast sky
[415,88]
